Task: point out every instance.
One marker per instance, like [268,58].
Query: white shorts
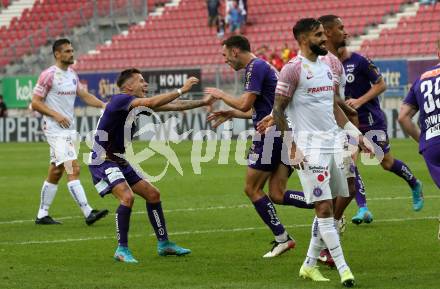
[63,147]
[349,167]
[324,178]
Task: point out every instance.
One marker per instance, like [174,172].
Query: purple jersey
[109,136]
[424,96]
[261,79]
[361,73]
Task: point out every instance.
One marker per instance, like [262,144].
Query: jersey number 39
[428,87]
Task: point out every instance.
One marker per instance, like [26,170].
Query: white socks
[78,194]
[331,239]
[48,192]
[315,246]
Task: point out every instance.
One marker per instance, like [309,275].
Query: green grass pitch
[209,214]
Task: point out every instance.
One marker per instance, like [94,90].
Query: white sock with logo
[78,194]
[331,239]
[315,246]
[48,192]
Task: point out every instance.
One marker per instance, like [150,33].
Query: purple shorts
[266,158]
[432,159]
[108,174]
[379,138]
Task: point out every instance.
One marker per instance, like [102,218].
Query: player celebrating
[54,97]
[307,84]
[424,96]
[112,173]
[364,84]
[256,103]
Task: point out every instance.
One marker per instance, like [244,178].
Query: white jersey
[59,89]
[311,85]
[339,78]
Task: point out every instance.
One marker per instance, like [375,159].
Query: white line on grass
[210,209]
[231,230]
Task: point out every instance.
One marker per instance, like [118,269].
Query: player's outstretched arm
[405,119]
[179,105]
[162,99]
[39,105]
[243,103]
[90,99]
[221,116]
[375,90]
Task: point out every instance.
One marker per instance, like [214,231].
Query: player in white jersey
[54,97]
[306,82]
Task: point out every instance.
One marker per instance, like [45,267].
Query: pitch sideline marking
[232,230]
[209,209]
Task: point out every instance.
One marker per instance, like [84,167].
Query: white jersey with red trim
[59,89]
[338,71]
[311,85]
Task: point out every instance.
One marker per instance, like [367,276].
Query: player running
[364,84]
[111,171]
[54,97]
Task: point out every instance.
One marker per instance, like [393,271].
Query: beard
[68,61]
[318,50]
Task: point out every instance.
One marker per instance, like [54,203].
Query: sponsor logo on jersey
[319,89]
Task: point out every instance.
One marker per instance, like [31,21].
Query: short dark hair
[305,25]
[328,20]
[238,41]
[58,43]
[125,75]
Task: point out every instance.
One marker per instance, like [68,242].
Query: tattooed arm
[278,114]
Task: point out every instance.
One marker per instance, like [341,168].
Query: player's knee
[387,164]
[153,195]
[127,199]
[276,196]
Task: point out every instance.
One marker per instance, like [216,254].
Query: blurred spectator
[242,5]
[221,25]
[235,18]
[262,51]
[287,53]
[212,11]
[276,61]
[3,108]
[428,2]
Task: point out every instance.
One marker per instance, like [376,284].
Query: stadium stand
[414,36]
[179,38]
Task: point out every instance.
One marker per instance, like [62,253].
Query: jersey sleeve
[289,79]
[255,77]
[370,69]
[44,83]
[411,97]
[79,85]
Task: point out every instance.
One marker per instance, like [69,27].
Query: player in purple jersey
[424,96]
[256,102]
[112,173]
[364,84]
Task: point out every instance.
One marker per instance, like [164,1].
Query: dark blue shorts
[266,157]
[108,174]
[432,159]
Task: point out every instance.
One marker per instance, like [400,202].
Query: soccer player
[364,84]
[111,171]
[424,96]
[336,38]
[54,97]
[256,102]
[306,83]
